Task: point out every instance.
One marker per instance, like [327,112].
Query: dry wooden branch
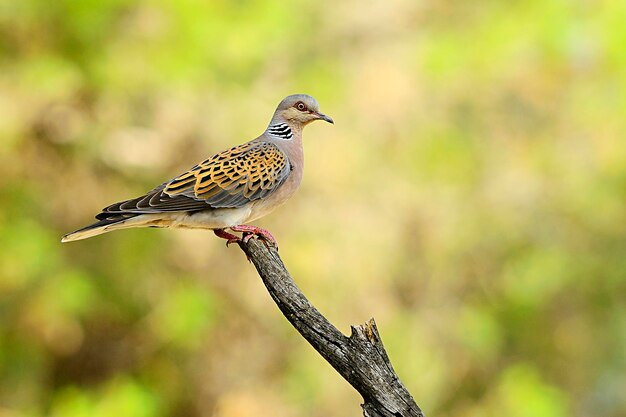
[360,359]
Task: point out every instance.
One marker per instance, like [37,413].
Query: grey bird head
[299,110]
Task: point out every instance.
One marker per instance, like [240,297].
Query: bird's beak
[322,116]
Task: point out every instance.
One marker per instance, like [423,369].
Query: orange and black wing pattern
[234,177]
[229,179]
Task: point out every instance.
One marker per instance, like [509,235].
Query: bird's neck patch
[280,131]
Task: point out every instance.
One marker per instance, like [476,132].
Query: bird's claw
[231,241]
[230,238]
[251,231]
[248,232]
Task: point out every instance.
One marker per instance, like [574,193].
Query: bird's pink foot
[249,231]
[230,238]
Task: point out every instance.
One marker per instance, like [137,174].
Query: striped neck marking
[280,130]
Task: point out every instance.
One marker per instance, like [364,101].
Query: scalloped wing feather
[230,179]
[234,177]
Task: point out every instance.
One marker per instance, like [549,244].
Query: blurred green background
[471,197]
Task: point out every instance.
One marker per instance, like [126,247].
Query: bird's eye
[300,106]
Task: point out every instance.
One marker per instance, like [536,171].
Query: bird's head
[299,110]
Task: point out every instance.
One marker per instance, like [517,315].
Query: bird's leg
[249,231]
[230,238]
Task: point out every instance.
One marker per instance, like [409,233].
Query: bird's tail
[104,226]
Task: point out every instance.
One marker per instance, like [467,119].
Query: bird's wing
[229,179]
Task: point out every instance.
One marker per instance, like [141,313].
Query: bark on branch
[360,359]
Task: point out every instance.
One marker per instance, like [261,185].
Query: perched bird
[227,190]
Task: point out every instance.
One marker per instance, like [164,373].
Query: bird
[228,190]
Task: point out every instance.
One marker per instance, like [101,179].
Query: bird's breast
[265,206]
